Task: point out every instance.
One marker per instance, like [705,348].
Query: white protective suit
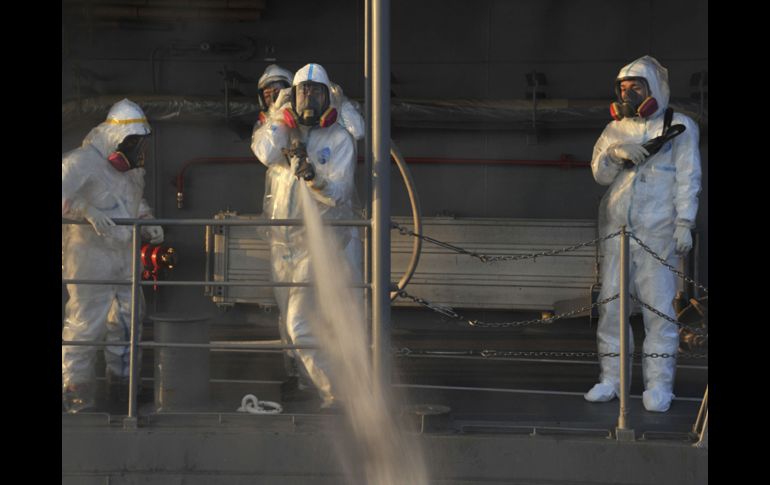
[350,118]
[652,199]
[331,151]
[90,185]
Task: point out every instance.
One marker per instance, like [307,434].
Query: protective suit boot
[294,390]
[331,406]
[601,392]
[78,397]
[657,399]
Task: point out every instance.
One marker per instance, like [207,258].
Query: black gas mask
[632,103]
[129,154]
[269,94]
[310,103]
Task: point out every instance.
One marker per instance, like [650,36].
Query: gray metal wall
[441,49]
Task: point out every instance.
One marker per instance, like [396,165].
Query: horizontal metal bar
[277,284]
[225,222]
[524,359]
[255,345]
[519,391]
[77,281]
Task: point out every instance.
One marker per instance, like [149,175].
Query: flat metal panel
[443,276]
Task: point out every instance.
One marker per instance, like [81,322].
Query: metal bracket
[625,434]
[130,424]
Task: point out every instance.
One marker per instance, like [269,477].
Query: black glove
[296,150]
[305,170]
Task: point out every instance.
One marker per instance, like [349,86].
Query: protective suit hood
[312,72]
[274,72]
[124,118]
[654,73]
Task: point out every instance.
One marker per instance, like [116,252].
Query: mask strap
[328,118]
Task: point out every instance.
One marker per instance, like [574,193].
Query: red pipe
[565,161]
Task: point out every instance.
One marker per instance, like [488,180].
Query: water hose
[414,201]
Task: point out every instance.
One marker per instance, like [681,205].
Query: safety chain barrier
[664,263]
[405,231]
[407,352]
[695,330]
[449,312]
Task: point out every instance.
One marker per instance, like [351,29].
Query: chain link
[664,263]
[695,330]
[404,231]
[449,312]
[407,352]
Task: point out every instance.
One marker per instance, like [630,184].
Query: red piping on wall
[564,161]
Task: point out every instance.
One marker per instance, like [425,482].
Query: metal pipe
[624,311]
[368,157]
[277,284]
[133,382]
[255,345]
[208,248]
[517,391]
[381,192]
[258,284]
[414,200]
[701,412]
[704,434]
[224,222]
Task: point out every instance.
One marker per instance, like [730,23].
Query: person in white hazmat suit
[654,181]
[302,142]
[274,93]
[102,180]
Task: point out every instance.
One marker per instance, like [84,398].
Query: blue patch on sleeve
[324,155]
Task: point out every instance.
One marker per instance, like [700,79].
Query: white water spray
[392,457]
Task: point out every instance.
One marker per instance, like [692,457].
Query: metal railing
[130,422]
[622,431]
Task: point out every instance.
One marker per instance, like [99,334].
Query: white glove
[683,239]
[98,219]
[153,233]
[284,97]
[627,151]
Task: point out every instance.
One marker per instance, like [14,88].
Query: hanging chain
[405,231]
[449,312]
[537,354]
[664,263]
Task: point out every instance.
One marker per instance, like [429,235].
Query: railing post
[701,426]
[381,192]
[130,422]
[367,243]
[622,432]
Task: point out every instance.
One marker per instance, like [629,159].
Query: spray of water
[391,457]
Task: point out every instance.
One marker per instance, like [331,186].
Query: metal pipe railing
[381,192]
[226,222]
[246,345]
[622,432]
[276,284]
[131,421]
